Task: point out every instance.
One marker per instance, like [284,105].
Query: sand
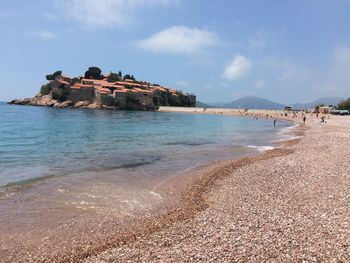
[286,205]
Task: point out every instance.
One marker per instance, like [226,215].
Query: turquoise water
[37,142]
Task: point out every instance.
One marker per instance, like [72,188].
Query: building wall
[324,110]
[104,99]
[144,98]
[120,99]
[57,90]
[191,100]
[82,94]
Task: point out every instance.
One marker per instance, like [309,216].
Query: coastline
[153,220]
[287,204]
[129,243]
[189,199]
[193,201]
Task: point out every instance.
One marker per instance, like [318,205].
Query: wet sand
[256,208]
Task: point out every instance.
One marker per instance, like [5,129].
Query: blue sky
[287,51]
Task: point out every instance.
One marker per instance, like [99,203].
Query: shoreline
[194,202]
[289,193]
[153,221]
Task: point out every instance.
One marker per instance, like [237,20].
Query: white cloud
[108,13]
[180,40]
[42,34]
[238,68]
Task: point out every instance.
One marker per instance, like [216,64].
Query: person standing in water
[274,122]
[304,119]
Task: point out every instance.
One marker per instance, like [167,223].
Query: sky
[287,51]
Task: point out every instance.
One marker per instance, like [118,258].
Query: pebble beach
[289,204]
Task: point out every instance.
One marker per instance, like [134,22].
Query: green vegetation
[55,74]
[344,105]
[113,77]
[45,89]
[94,73]
[127,76]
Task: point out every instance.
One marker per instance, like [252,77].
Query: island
[110,91]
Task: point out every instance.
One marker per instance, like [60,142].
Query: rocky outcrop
[82,104]
[38,100]
[46,101]
[64,104]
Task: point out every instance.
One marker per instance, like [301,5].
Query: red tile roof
[159,88]
[103,90]
[142,90]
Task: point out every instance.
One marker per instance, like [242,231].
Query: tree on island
[113,77]
[127,76]
[45,89]
[93,73]
[55,74]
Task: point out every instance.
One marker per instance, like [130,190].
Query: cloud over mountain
[237,68]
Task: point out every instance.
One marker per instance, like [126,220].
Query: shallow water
[104,169]
[38,142]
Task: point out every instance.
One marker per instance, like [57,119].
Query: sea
[41,142]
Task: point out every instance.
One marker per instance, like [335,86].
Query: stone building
[120,94]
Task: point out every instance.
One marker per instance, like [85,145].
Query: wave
[261,148]
[286,133]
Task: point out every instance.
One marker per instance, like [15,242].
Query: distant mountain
[202,105]
[217,104]
[324,100]
[251,102]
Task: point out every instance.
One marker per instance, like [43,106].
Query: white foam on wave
[156,195]
[261,148]
[286,133]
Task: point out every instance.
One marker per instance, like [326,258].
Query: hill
[202,105]
[324,100]
[251,102]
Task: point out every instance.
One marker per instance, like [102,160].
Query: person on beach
[304,119]
[274,122]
